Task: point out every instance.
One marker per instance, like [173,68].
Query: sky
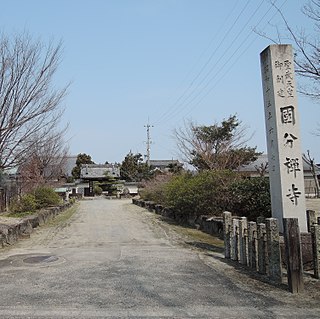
[131,63]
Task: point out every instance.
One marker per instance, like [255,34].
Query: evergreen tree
[133,168]
[82,158]
[218,146]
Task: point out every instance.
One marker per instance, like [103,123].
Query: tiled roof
[99,171]
[252,167]
[163,163]
[262,160]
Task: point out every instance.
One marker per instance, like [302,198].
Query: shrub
[46,196]
[206,193]
[155,189]
[97,190]
[210,193]
[251,197]
[27,203]
[70,179]
[14,205]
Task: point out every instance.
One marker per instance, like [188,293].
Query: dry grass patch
[195,238]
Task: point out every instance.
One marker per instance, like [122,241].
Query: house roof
[262,160]
[164,163]
[252,167]
[99,171]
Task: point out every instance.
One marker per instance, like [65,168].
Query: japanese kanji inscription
[283,136]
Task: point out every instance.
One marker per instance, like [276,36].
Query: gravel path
[116,260]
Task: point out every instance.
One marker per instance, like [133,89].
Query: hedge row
[211,193]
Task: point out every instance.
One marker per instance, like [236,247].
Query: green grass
[20,215]
[63,217]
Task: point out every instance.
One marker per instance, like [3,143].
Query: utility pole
[148,142]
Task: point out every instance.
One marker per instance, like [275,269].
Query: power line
[195,100]
[169,110]
[190,96]
[231,66]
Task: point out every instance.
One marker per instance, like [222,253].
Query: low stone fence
[11,233]
[208,224]
[259,246]
[252,244]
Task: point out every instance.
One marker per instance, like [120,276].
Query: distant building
[99,172]
[164,165]
[260,168]
[131,188]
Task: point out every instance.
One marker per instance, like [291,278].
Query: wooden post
[315,234]
[273,248]
[311,219]
[293,253]
[227,222]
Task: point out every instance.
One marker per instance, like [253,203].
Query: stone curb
[10,234]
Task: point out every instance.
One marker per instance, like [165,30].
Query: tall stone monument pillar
[283,135]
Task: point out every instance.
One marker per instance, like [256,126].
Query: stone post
[261,238]
[227,223]
[252,245]
[273,248]
[232,240]
[283,135]
[315,234]
[243,241]
[235,240]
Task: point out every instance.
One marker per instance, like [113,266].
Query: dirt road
[115,260]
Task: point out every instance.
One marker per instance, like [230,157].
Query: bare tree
[45,162]
[262,169]
[306,45]
[216,146]
[30,105]
[313,168]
